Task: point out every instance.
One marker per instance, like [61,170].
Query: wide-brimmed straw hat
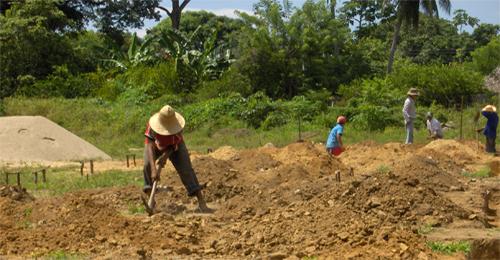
[167,121]
[413,92]
[489,108]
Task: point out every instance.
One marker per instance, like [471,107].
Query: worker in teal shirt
[334,143]
[490,130]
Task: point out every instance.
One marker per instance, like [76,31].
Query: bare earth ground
[276,203]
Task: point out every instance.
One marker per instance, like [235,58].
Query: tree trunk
[175,14]
[395,41]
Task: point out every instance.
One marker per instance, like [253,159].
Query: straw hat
[490,108]
[167,121]
[413,92]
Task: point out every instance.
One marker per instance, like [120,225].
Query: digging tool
[150,204]
[476,120]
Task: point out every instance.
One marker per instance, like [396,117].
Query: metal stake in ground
[36,177]
[91,167]
[44,178]
[18,174]
[337,176]
[82,164]
[128,164]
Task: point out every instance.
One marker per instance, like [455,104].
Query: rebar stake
[18,179]
[82,165]
[128,165]
[91,167]
[44,178]
[337,176]
[486,202]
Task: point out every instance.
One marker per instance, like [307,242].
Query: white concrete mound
[35,139]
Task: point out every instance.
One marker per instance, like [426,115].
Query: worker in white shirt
[434,127]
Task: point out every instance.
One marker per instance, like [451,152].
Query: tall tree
[111,17]
[175,12]
[461,18]
[408,11]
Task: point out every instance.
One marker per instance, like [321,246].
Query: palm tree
[408,11]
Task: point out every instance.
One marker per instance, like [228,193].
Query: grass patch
[482,173]
[136,209]
[383,169]
[62,255]
[425,229]
[449,248]
[60,181]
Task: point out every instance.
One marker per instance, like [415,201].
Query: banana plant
[201,60]
[136,54]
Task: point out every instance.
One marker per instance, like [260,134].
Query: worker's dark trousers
[491,145]
[182,163]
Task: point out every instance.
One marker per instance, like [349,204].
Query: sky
[488,11]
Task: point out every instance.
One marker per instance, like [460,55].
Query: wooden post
[300,131]
[462,119]
[18,175]
[128,165]
[44,178]
[82,164]
[133,157]
[36,177]
[351,171]
[337,176]
[91,167]
[6,178]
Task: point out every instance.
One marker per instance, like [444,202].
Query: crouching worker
[490,130]
[334,143]
[434,127]
[164,136]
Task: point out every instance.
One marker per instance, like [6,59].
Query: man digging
[164,137]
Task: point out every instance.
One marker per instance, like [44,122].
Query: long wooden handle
[162,160]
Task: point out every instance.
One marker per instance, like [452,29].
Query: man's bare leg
[202,204]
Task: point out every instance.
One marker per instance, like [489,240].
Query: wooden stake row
[18,176]
[82,165]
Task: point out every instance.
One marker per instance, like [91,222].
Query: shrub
[230,82]
[374,103]
[487,58]
[443,84]
[61,83]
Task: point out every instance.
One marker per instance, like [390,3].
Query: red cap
[341,119]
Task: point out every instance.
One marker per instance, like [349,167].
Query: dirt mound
[224,153]
[370,157]
[452,148]
[15,193]
[36,139]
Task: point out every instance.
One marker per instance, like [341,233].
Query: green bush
[443,84]
[374,103]
[61,83]
[230,82]
[487,58]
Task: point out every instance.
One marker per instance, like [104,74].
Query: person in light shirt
[434,127]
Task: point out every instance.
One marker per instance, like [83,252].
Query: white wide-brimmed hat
[413,92]
[489,108]
[167,121]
